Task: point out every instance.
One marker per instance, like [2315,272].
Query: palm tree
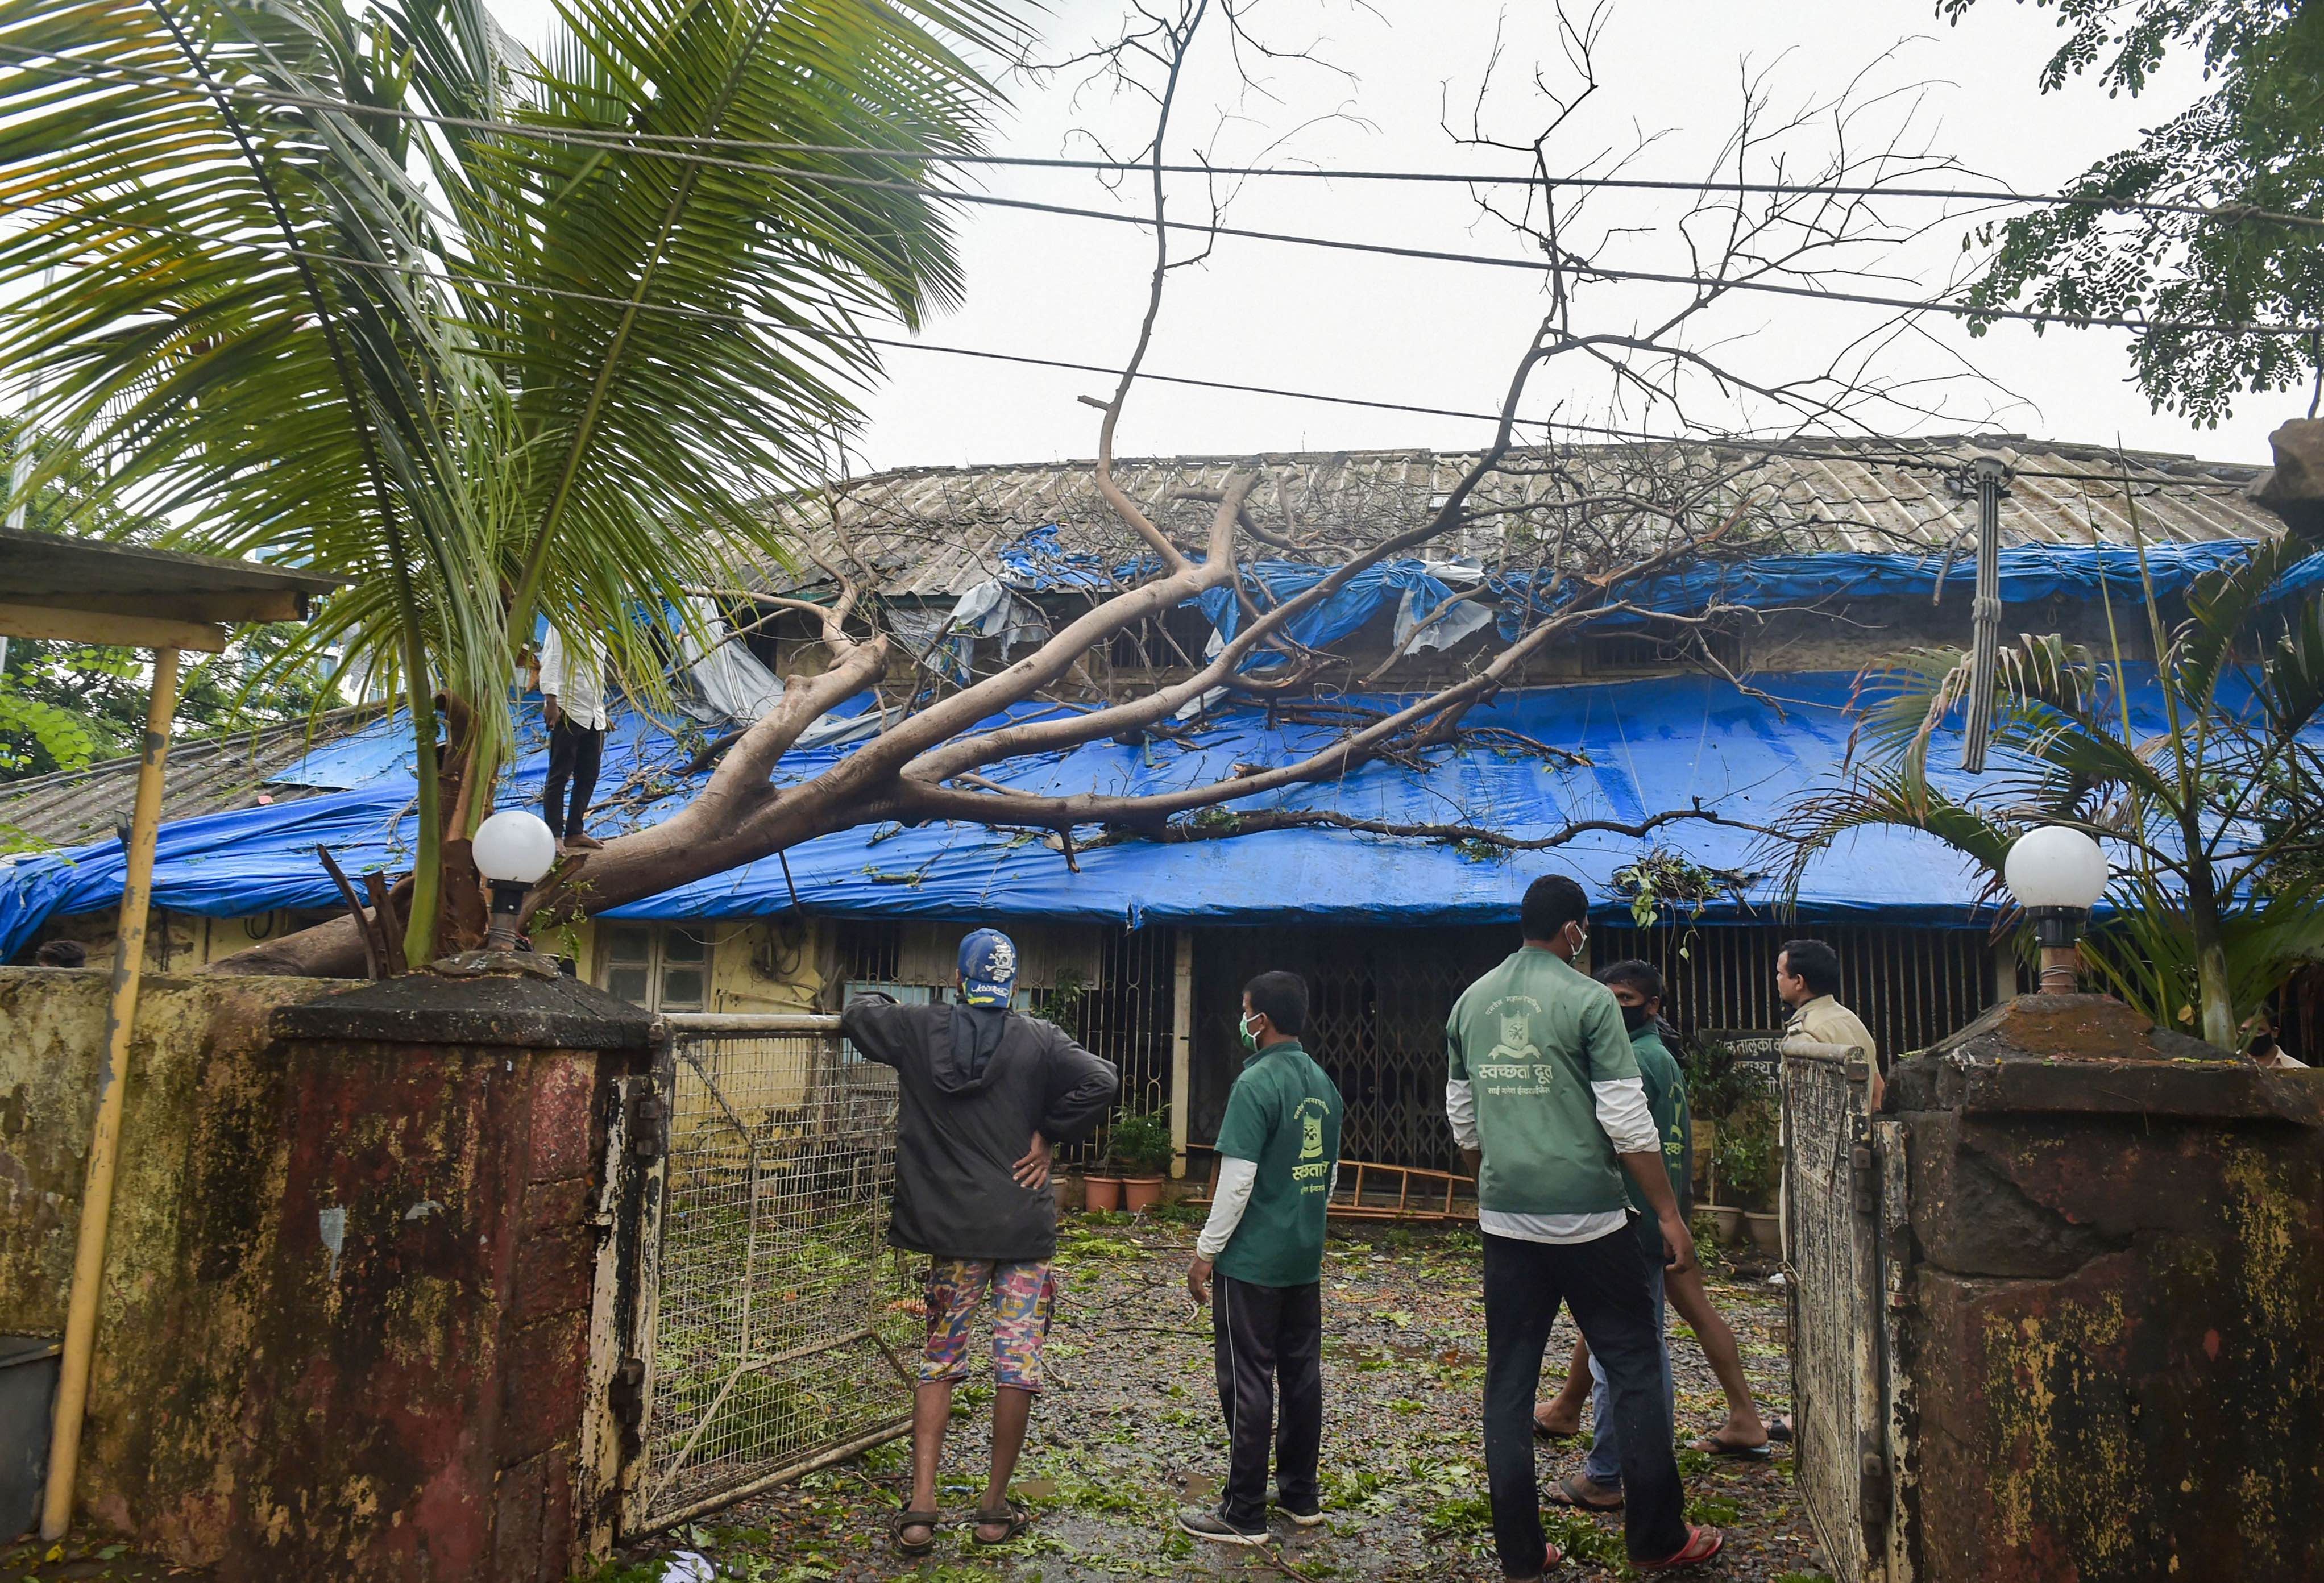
[496,334]
[2198,772]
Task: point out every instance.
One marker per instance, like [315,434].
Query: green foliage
[1583,1540]
[481,371]
[65,705]
[2249,152]
[1745,1156]
[2208,821]
[1062,1006]
[1138,1145]
[1719,1081]
[1714,1511]
[1668,878]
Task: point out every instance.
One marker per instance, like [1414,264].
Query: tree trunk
[2213,995]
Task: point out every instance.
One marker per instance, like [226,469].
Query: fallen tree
[1580,527]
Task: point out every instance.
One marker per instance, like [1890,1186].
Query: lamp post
[2057,874]
[513,849]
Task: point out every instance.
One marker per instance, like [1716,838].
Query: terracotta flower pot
[1141,1192]
[1100,1192]
[1766,1231]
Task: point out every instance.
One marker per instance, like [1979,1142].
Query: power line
[1597,431]
[673,144]
[1716,284]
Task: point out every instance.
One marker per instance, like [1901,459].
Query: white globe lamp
[512,849]
[2057,874]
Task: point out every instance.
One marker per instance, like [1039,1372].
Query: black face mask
[1634,1017]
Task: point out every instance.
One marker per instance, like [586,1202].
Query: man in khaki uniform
[1807,978]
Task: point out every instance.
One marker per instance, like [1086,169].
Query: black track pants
[1266,1339]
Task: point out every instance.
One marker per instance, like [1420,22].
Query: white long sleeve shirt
[575,677]
[1620,1104]
[1233,1197]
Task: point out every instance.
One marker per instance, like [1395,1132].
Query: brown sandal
[1567,1492]
[903,1520]
[1014,1518]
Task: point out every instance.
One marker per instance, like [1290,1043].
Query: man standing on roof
[1807,979]
[573,705]
[1278,1150]
[1543,1094]
[975,1081]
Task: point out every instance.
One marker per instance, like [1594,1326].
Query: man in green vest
[1638,988]
[1545,1098]
[1259,1264]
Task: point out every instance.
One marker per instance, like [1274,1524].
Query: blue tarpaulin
[1651,746]
[2029,574]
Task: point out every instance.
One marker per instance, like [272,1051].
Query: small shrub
[1746,1157]
[1140,1145]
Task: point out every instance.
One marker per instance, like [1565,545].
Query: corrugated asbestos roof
[199,777]
[935,532]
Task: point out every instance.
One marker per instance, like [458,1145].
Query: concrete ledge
[525,1011]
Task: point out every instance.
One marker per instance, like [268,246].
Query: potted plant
[1101,1187]
[1139,1147]
[1746,1160]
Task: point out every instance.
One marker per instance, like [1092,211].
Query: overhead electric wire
[1433,255]
[619,140]
[1810,450]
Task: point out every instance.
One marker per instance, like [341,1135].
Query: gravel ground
[1129,1429]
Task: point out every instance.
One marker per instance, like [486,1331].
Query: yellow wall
[753,966]
[764,967]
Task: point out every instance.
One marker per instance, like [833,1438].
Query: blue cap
[988,967]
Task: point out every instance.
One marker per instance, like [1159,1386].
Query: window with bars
[1378,999]
[1911,987]
[1122,1013]
[662,968]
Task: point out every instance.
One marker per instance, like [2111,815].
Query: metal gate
[1835,1251]
[759,1282]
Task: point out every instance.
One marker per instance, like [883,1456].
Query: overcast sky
[1443,334]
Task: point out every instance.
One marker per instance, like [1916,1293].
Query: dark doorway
[1377,1024]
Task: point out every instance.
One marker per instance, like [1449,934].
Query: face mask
[1249,1035]
[1634,1017]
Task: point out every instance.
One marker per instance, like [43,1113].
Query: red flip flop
[1550,1562]
[1703,1543]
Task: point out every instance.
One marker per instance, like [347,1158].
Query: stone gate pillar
[2111,1352]
[416,1407]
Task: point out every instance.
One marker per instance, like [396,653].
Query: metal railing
[769,1278]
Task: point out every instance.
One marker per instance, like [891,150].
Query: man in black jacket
[975,1081]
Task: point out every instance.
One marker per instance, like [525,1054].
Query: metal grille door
[1911,986]
[1375,1024]
[765,1281]
[1830,1202]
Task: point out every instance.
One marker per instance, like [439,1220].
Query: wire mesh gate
[761,1283]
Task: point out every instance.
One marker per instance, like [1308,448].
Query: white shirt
[576,680]
[1629,1122]
[1236,1177]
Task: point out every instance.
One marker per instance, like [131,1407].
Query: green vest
[1529,1038]
[1666,1098]
[1284,1116]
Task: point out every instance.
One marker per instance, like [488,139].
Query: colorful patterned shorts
[1023,1295]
